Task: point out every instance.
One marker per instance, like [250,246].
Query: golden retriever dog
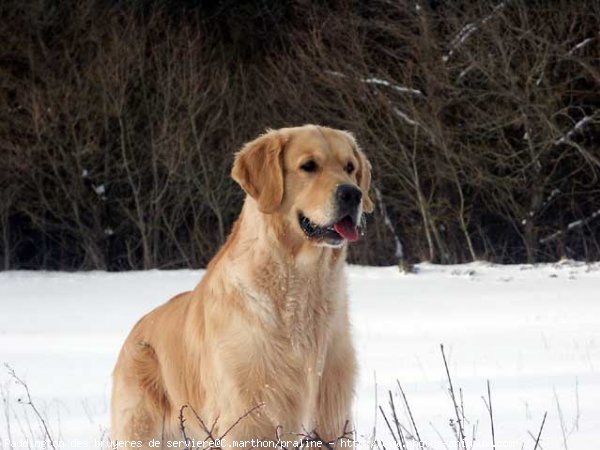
[267,329]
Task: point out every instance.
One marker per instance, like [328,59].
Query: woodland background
[118,121]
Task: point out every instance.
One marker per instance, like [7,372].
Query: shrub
[118,122]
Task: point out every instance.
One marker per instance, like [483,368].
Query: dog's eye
[309,166]
[349,167]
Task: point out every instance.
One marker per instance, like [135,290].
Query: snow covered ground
[532,331]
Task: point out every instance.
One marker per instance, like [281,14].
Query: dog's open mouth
[345,228]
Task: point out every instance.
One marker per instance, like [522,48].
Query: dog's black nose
[348,196]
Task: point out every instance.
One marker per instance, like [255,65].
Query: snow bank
[533,331]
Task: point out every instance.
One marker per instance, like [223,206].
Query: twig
[488,405]
[239,419]
[209,432]
[533,437]
[462,405]
[396,421]
[5,401]
[278,438]
[577,409]
[186,439]
[537,441]
[473,434]
[562,422]
[399,251]
[373,438]
[389,427]
[460,424]
[316,438]
[442,440]
[410,414]
[30,403]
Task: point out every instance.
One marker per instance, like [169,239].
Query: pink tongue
[347,230]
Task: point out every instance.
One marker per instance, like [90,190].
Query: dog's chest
[301,300]
[298,310]
[305,321]
[307,307]
[298,304]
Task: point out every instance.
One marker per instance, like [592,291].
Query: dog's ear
[363,175]
[258,169]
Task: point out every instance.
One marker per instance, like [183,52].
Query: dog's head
[315,178]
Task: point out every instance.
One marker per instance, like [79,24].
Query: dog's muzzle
[347,203]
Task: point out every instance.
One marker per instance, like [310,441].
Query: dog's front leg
[336,392]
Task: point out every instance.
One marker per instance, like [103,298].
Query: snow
[465,71]
[580,45]
[578,126]
[405,117]
[532,331]
[380,82]
[468,30]
[571,226]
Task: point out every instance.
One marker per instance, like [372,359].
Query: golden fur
[268,324]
